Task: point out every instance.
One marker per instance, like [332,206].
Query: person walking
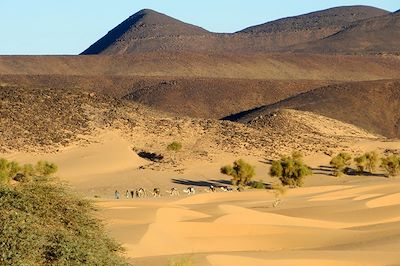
[116,194]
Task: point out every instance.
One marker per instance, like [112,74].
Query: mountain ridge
[149,31]
[374,35]
[320,18]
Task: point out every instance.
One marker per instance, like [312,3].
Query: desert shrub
[8,170]
[372,161]
[340,162]
[174,146]
[241,172]
[12,170]
[391,164]
[258,184]
[368,161]
[185,261]
[361,163]
[45,169]
[291,170]
[27,172]
[43,223]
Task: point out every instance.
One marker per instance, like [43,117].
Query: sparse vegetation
[372,161]
[241,172]
[361,163]
[11,170]
[391,164]
[174,146]
[340,162]
[368,161]
[43,223]
[8,170]
[258,184]
[185,261]
[45,169]
[291,170]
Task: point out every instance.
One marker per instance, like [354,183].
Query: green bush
[340,162]
[8,170]
[361,163]
[12,170]
[368,161]
[185,261]
[42,223]
[174,146]
[372,161]
[391,164]
[45,169]
[258,185]
[241,172]
[291,170]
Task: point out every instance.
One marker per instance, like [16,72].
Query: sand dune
[388,200]
[238,260]
[331,221]
[316,225]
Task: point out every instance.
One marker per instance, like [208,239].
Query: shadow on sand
[208,183]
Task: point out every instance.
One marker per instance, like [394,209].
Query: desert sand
[330,221]
[319,83]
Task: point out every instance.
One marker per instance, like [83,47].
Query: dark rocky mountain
[375,35]
[145,24]
[149,31]
[333,18]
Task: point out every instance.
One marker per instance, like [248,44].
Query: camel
[173,192]
[140,193]
[156,192]
[211,188]
[189,191]
[226,189]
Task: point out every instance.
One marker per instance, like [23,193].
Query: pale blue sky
[70,26]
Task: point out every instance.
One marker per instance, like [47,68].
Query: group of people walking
[141,193]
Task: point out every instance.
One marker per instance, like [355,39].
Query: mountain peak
[148,14]
[144,24]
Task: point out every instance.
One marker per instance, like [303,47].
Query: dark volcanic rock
[145,24]
[150,31]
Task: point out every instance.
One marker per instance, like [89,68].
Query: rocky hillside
[50,119]
[214,98]
[375,35]
[372,105]
[333,20]
[150,31]
[287,66]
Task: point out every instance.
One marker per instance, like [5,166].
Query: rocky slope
[375,35]
[149,31]
[51,119]
[372,105]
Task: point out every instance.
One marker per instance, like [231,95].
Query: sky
[50,27]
